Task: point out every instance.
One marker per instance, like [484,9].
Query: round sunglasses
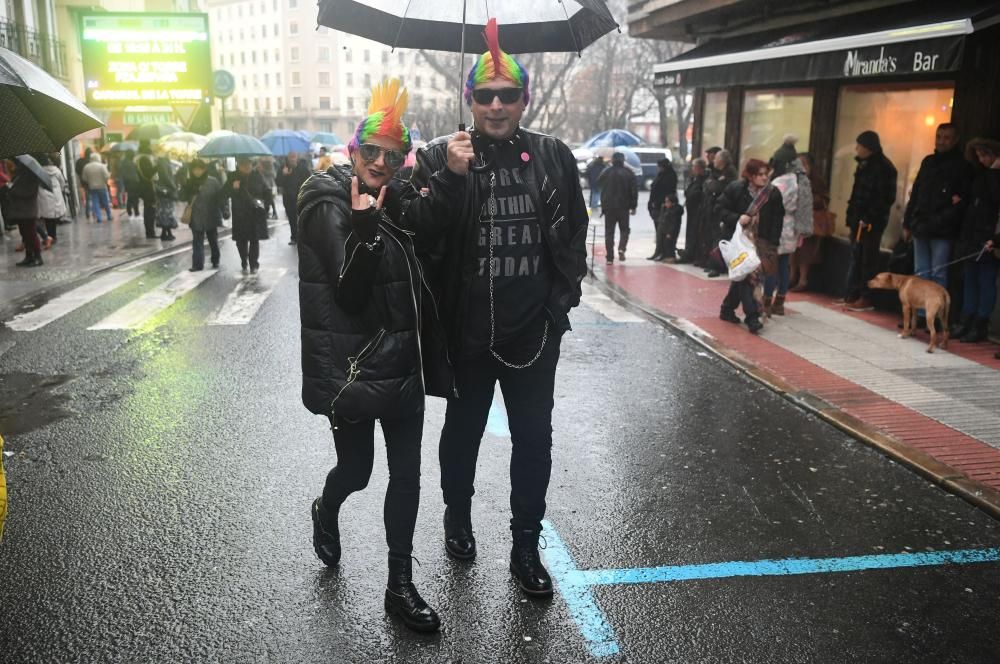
[370,152]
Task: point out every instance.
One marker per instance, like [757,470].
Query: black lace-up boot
[326,533]
[458,538]
[526,565]
[403,600]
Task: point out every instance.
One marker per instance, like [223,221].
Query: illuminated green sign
[131,59]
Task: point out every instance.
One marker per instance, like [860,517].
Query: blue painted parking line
[496,423]
[575,584]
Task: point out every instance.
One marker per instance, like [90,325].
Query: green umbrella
[237,145]
[152,131]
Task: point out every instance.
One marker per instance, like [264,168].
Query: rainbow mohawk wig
[385,116]
[496,63]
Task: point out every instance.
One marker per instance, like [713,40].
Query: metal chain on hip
[492,207]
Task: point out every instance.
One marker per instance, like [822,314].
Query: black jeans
[355,444]
[131,200]
[249,249]
[528,396]
[613,218]
[149,216]
[293,217]
[741,293]
[864,263]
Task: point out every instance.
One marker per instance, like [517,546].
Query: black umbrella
[152,131]
[38,113]
[31,164]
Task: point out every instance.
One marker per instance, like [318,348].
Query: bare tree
[670,100]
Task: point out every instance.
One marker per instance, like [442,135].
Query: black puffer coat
[931,211]
[983,211]
[249,211]
[362,309]
[440,203]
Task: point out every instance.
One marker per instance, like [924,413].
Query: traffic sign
[223,83]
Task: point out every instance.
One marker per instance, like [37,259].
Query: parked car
[649,157]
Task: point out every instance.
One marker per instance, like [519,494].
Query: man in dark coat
[664,186]
[937,205]
[694,198]
[289,180]
[872,197]
[512,259]
[592,173]
[619,198]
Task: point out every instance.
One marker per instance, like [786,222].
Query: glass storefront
[769,115]
[905,117]
[713,127]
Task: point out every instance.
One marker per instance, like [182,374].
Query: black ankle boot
[403,600]
[459,541]
[963,328]
[526,565]
[326,534]
[978,331]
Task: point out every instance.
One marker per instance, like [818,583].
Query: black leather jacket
[444,205]
[362,309]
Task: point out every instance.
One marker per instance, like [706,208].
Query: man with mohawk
[512,257]
[361,302]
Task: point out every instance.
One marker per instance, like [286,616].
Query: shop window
[905,117]
[713,122]
[768,115]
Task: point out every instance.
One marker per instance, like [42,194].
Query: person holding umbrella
[514,258]
[294,173]
[19,202]
[362,301]
[247,190]
[205,196]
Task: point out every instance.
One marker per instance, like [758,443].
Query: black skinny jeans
[249,250]
[528,396]
[741,293]
[355,444]
[864,263]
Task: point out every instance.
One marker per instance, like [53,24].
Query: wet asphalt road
[161,479]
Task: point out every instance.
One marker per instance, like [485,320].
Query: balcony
[42,49]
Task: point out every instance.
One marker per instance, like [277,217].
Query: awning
[864,46]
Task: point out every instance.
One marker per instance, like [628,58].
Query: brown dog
[916,293]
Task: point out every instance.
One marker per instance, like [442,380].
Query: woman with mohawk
[362,305]
[513,256]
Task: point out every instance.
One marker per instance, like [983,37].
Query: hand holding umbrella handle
[486,165]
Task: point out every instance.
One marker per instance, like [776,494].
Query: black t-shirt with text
[521,269]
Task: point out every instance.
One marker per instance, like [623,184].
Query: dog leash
[977,254]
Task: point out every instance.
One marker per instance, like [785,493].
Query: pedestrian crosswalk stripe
[137,312]
[608,308]
[70,301]
[242,304]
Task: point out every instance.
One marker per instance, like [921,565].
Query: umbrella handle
[486,165]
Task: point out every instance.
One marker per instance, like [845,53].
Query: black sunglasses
[370,152]
[484,96]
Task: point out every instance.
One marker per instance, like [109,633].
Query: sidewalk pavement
[937,413]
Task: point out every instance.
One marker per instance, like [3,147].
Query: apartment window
[250,9]
[297,103]
[323,54]
[256,104]
[281,103]
[368,56]
[293,4]
[350,103]
[222,61]
[255,80]
[253,57]
[246,105]
[324,78]
[293,54]
[264,55]
[349,79]
[385,57]
[275,29]
[296,78]
[348,57]
[416,82]
[402,58]
[232,60]
[277,55]
[239,10]
[277,78]
[243,58]
[293,27]
[368,80]
[274,3]
[244,81]
[401,81]
[267,103]
[324,103]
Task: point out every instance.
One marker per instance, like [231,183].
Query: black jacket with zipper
[362,308]
[445,207]
[932,211]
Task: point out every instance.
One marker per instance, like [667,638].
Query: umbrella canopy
[39,114]
[219,132]
[183,145]
[283,141]
[526,26]
[612,138]
[124,146]
[153,131]
[325,138]
[31,164]
[236,145]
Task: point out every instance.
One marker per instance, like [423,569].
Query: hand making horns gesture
[364,201]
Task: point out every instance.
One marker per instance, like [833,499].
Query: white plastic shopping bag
[740,255]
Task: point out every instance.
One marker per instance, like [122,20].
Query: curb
[941,474]
[13,305]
